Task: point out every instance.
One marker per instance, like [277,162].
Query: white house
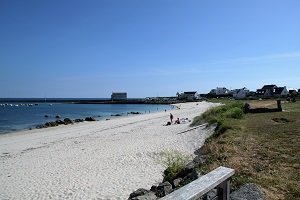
[240,93]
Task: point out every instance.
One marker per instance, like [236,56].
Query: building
[281,92]
[119,96]
[272,91]
[221,91]
[240,93]
[266,91]
[190,96]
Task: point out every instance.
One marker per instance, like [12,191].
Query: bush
[235,113]
[174,161]
[221,116]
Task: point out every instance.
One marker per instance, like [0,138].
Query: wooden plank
[202,185]
[193,128]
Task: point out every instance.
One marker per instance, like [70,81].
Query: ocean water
[19,116]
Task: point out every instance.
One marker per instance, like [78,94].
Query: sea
[18,115]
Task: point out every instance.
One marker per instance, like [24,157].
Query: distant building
[281,92]
[190,96]
[266,91]
[222,91]
[240,93]
[117,96]
[292,92]
[272,91]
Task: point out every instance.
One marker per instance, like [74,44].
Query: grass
[174,161]
[263,148]
[222,116]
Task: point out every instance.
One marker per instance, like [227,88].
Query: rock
[53,124]
[138,192]
[200,159]
[193,175]
[177,182]
[134,113]
[153,188]
[46,116]
[148,196]
[116,115]
[164,189]
[68,121]
[90,119]
[78,120]
[57,116]
[40,126]
[50,124]
[248,191]
[60,122]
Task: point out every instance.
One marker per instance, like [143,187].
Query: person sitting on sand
[168,124]
[177,121]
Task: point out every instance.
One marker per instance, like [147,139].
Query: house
[292,92]
[213,92]
[190,96]
[240,93]
[118,96]
[221,91]
[280,92]
[266,91]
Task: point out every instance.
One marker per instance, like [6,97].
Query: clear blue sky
[59,48]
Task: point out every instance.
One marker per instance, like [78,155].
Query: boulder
[153,188]
[199,160]
[147,196]
[176,182]
[50,124]
[40,126]
[248,191]
[193,175]
[78,120]
[138,192]
[46,116]
[90,119]
[53,124]
[164,189]
[68,121]
[57,116]
[60,122]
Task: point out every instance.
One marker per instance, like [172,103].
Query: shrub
[235,113]
[174,161]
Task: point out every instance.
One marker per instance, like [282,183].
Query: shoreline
[102,159]
[49,115]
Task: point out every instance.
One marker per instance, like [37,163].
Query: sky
[147,48]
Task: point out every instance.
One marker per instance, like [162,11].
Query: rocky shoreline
[65,121]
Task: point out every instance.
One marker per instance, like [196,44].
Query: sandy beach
[95,160]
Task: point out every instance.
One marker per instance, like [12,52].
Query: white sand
[94,160]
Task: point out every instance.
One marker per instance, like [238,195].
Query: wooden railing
[218,178]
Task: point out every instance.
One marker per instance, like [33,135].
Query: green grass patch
[221,115]
[263,148]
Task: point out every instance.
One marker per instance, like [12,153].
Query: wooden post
[279,104]
[224,190]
